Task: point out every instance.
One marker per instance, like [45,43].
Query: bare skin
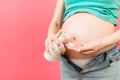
[91,35]
[84,27]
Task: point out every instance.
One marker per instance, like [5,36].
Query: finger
[74,44]
[59,33]
[47,48]
[51,44]
[81,44]
[87,47]
[77,43]
[57,41]
[70,44]
[46,45]
[87,52]
[79,48]
[75,48]
[50,50]
[72,47]
[55,46]
[64,50]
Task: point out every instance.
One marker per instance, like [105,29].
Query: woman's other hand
[86,48]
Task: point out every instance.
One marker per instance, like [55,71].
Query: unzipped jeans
[106,66]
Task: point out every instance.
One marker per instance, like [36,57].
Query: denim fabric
[103,67]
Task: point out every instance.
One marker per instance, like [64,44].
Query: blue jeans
[103,67]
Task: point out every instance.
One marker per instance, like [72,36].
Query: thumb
[59,33]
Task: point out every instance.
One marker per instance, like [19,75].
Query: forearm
[111,39]
[56,21]
[54,27]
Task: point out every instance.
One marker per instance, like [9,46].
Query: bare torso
[84,27]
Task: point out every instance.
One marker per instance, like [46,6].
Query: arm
[55,25]
[97,46]
[109,41]
[56,21]
[112,38]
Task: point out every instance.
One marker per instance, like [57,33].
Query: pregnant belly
[84,27]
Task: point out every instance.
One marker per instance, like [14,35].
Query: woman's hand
[49,42]
[86,48]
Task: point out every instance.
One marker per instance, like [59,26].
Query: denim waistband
[76,67]
[106,58]
[113,54]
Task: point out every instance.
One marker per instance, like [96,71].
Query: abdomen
[85,27]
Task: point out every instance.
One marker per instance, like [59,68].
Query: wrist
[50,36]
[107,41]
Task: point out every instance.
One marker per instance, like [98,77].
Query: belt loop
[106,58]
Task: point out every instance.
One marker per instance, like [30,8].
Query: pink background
[23,28]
